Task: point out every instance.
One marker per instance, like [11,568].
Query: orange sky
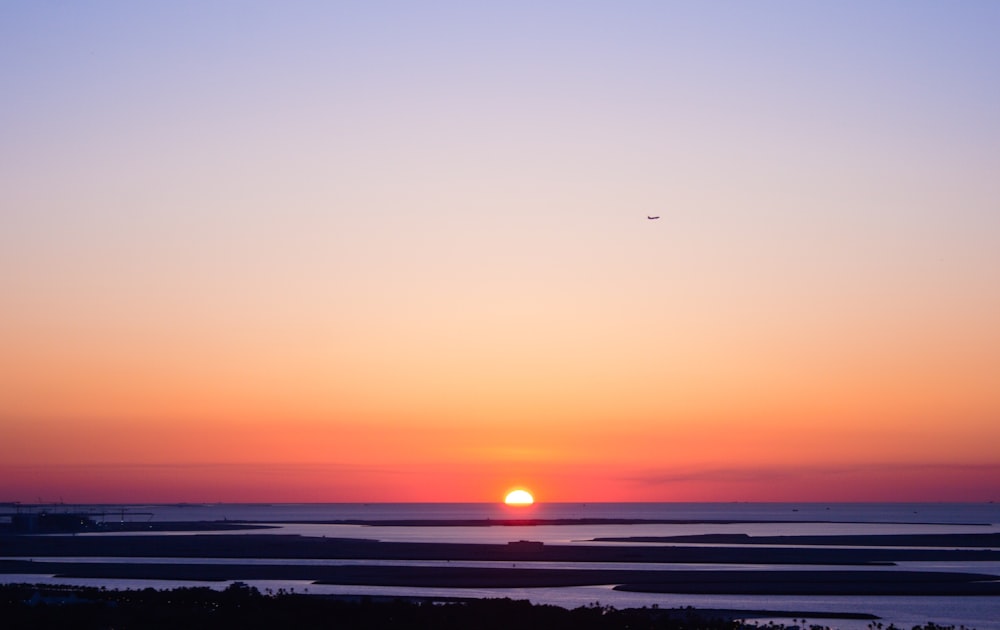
[396,254]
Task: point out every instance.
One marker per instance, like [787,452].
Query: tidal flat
[868,570]
[908,565]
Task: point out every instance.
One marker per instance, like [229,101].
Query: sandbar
[873,580]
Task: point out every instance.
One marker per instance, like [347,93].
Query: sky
[399,251]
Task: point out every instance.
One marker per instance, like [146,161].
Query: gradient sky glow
[398,251]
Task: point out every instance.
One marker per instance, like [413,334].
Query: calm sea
[689,518]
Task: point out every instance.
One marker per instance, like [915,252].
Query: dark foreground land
[241,606]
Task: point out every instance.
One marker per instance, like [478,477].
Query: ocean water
[685,519]
[870,513]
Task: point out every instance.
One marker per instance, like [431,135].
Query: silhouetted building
[48,523]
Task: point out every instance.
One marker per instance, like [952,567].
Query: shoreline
[38,606]
[835,550]
[26,554]
[259,552]
[688,582]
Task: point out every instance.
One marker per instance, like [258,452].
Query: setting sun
[519,497]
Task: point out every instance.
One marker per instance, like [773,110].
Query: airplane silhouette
[652,218]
